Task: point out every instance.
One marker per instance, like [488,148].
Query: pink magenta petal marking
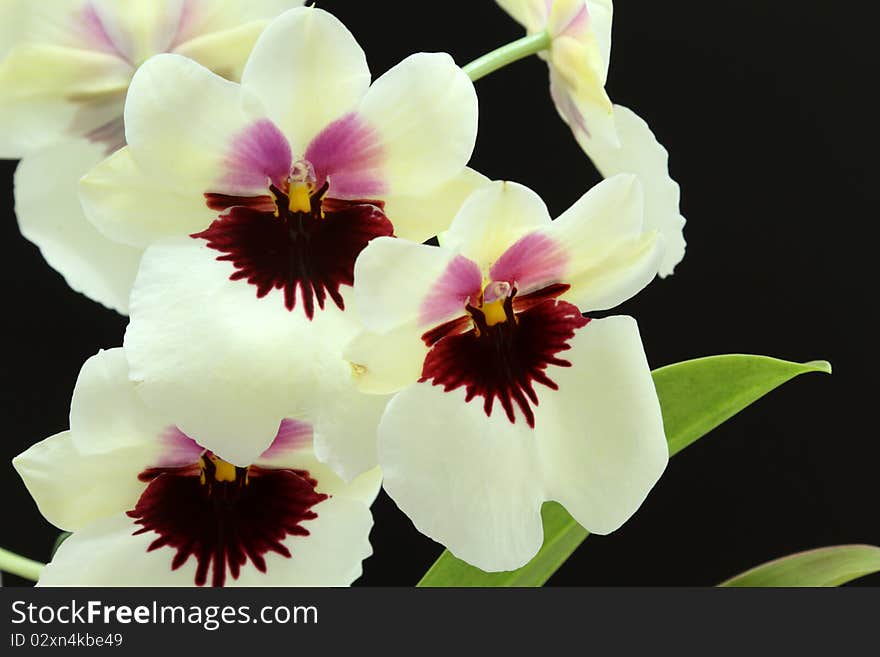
[178,449]
[567,107]
[94,31]
[579,24]
[292,435]
[573,24]
[348,153]
[534,261]
[461,281]
[185,24]
[259,154]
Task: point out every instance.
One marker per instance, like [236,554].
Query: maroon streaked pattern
[224,525]
[223,202]
[520,305]
[274,248]
[504,362]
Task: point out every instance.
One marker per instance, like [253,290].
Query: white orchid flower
[148,506]
[613,136]
[253,202]
[63,83]
[506,395]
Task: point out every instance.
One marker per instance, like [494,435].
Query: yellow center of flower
[300,198]
[494,312]
[495,306]
[216,470]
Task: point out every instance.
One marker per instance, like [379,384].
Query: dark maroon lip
[224,525]
[503,362]
[308,255]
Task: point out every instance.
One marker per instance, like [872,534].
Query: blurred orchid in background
[63,84]
[614,137]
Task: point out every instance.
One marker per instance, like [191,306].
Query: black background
[763,108]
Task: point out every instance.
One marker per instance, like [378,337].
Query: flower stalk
[508,54]
[21,566]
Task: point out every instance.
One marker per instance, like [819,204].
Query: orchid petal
[49,215]
[611,256]
[227,366]
[601,436]
[641,154]
[308,70]
[465,480]
[425,112]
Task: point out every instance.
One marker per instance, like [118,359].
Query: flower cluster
[229,175]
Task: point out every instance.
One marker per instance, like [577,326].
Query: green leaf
[696,396]
[831,566]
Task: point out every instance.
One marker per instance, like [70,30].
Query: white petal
[73,489]
[415,270]
[419,218]
[207,16]
[106,553]
[308,70]
[69,23]
[131,206]
[331,555]
[137,29]
[301,456]
[106,413]
[588,22]
[611,256]
[226,366]
[364,488]
[425,112]
[578,91]
[12,25]
[49,92]
[49,215]
[641,154]
[493,219]
[469,482]
[345,429]
[387,363]
[224,52]
[602,18]
[180,119]
[601,436]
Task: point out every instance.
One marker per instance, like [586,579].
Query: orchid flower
[613,136]
[253,202]
[63,83]
[148,506]
[506,396]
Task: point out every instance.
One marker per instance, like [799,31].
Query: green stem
[512,52]
[21,566]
